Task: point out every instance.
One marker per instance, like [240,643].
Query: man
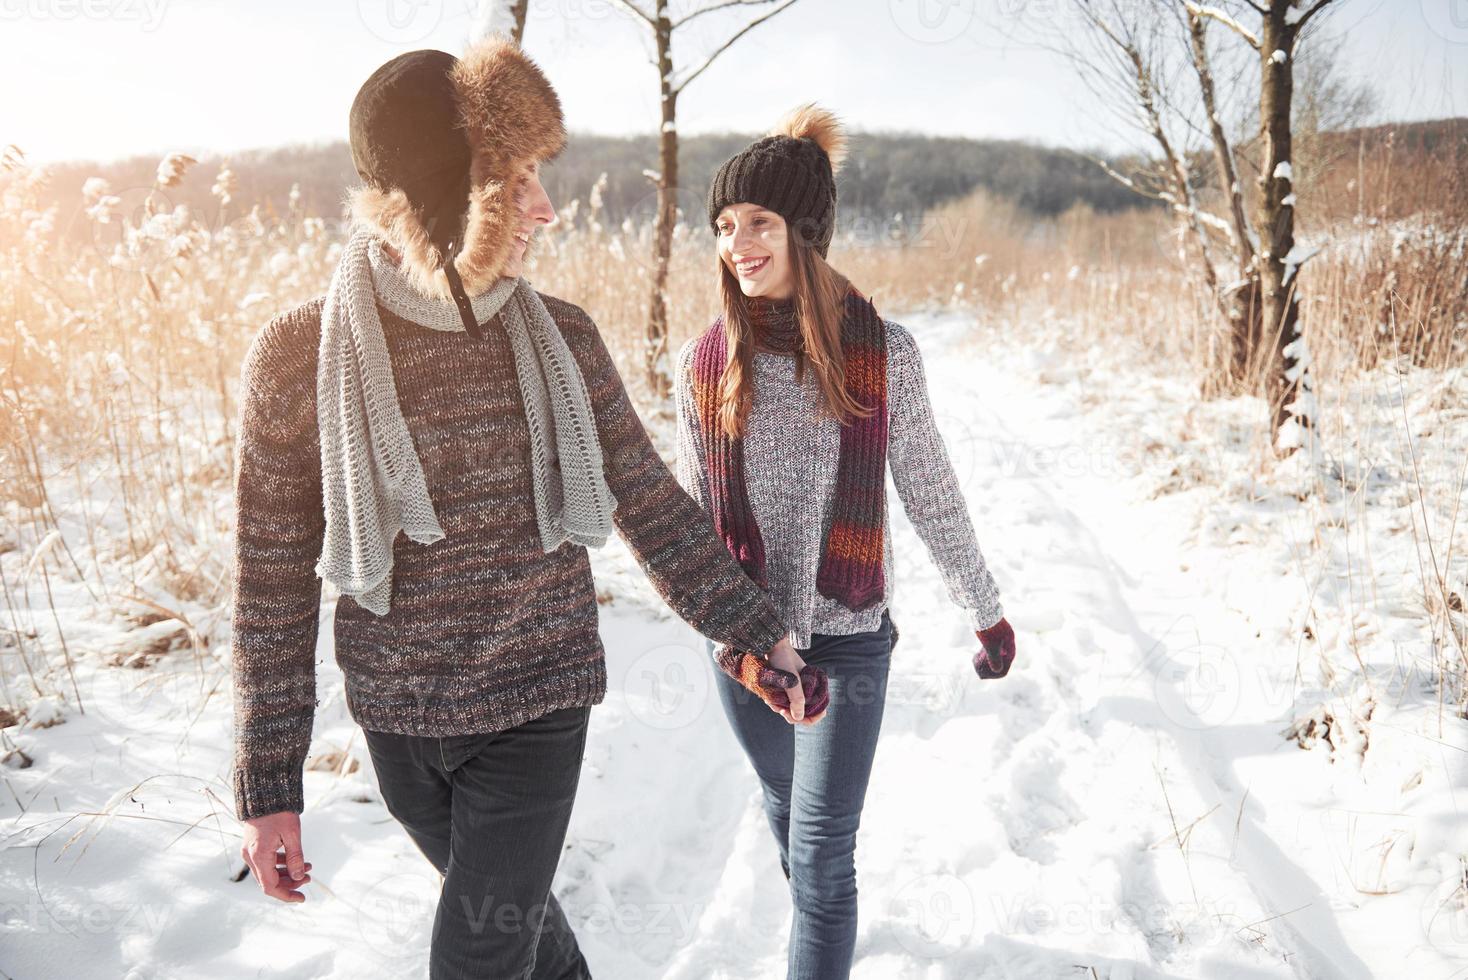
[433,391]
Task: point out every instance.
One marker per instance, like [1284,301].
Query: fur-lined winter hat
[792,172]
[438,142]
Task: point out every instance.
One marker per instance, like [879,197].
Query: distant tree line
[886,175]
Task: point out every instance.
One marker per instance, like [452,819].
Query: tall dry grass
[119,365]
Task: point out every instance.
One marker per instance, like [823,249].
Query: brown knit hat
[792,172]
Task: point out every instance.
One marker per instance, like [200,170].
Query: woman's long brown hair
[819,294]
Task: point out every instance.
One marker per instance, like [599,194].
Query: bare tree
[1131,54]
[1129,58]
[505,17]
[1282,25]
[1241,300]
[656,17]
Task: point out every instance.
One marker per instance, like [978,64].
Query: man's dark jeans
[490,812]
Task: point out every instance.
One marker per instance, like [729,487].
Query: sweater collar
[396,291]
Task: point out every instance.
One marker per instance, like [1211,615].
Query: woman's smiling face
[754,245]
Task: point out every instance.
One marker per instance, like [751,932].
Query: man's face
[535,210]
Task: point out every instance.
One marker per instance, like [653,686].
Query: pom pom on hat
[820,126]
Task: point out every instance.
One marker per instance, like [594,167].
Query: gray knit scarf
[372,481]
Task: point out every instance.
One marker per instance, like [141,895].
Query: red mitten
[998,652]
[816,688]
[769,683]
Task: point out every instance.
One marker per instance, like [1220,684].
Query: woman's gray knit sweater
[790,459]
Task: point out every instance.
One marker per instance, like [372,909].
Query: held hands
[808,700]
[793,689]
[272,849]
[998,652]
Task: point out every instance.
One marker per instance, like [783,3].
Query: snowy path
[1124,803]
[1015,828]
[1121,806]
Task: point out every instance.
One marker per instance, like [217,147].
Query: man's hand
[810,695]
[272,849]
[784,681]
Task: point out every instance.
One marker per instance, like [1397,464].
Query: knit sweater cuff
[759,633]
[260,792]
[982,619]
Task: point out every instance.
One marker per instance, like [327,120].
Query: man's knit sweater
[486,631]
[790,463]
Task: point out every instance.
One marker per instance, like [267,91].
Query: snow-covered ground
[1125,804]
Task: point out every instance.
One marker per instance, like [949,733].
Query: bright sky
[99,79]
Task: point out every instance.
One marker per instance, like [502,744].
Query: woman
[791,407]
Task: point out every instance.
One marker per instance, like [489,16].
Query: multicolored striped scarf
[851,569]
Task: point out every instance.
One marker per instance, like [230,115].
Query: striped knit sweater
[486,631]
[791,461]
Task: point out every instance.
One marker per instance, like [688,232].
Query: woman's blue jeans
[814,779]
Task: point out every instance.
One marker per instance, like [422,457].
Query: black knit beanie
[790,173]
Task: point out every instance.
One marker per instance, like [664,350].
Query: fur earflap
[818,125]
[511,118]
[391,215]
